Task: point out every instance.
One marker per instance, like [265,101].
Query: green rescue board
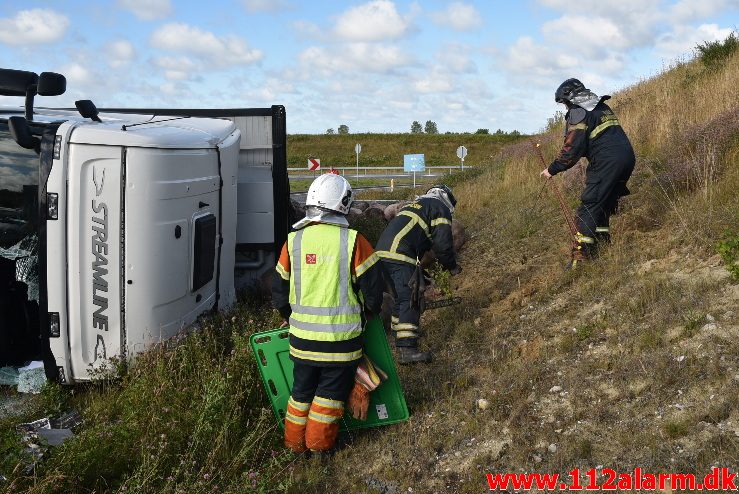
[387,402]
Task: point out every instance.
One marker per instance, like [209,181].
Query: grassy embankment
[643,344]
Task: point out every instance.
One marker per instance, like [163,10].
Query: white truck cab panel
[159,219]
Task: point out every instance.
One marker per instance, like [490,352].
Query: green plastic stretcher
[387,402]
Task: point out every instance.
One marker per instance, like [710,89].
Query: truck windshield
[19,243]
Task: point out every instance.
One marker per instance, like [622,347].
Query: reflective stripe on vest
[324,306]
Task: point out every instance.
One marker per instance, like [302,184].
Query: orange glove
[358,402]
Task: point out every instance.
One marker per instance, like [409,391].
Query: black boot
[411,355]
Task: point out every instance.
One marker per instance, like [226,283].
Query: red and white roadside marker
[314,164]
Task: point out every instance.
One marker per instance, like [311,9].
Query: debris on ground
[46,432]
[31,378]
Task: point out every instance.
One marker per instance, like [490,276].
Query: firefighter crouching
[328,276]
[592,130]
[418,227]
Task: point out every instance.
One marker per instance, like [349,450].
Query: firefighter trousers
[405,318]
[604,185]
[316,405]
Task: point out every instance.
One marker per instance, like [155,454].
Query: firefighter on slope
[420,226]
[593,131]
[328,277]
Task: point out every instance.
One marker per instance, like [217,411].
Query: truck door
[171,248]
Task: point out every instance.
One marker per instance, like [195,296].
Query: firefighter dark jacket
[423,225]
[596,135]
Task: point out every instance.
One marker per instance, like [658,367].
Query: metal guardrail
[369,171]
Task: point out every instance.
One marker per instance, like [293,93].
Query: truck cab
[119,227]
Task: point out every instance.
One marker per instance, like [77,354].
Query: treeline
[430,128]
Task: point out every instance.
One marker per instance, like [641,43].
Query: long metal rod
[565,210]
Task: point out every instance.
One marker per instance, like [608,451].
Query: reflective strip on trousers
[584,239]
[322,417]
[328,403]
[406,325]
[406,334]
[295,419]
[298,405]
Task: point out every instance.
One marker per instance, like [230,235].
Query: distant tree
[330,131]
[416,128]
[500,132]
[482,131]
[514,133]
[430,127]
[343,129]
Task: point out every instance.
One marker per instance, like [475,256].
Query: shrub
[714,53]
[729,251]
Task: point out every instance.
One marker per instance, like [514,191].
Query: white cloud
[212,50]
[351,57]
[588,34]
[683,39]
[629,22]
[32,27]
[119,53]
[177,68]
[147,10]
[459,16]
[377,20]
[687,10]
[538,64]
[434,83]
[77,74]
[256,6]
[455,57]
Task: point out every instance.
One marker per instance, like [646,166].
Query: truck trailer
[119,227]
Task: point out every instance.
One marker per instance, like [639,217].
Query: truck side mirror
[21,133]
[16,82]
[51,84]
[87,109]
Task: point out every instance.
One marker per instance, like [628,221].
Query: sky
[375,66]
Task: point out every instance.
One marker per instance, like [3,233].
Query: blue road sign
[414,163]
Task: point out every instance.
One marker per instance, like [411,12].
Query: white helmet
[330,192]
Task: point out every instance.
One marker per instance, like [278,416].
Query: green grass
[388,149]
[188,417]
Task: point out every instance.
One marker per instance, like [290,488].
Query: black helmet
[568,90]
[446,190]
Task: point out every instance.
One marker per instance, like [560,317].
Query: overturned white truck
[119,227]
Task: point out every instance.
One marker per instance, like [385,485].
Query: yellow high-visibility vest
[324,305]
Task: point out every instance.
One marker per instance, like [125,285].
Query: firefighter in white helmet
[328,283]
